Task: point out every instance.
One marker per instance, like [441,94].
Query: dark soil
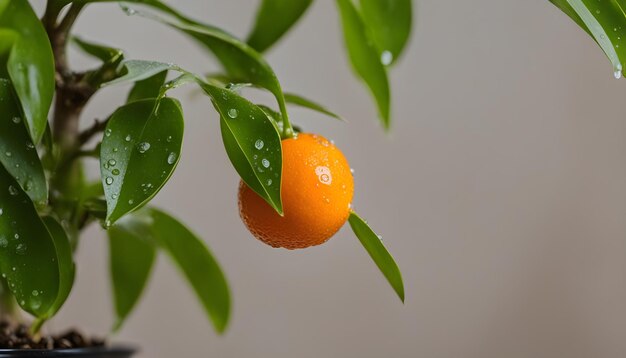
[17,337]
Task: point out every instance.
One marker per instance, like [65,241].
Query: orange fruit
[317,189]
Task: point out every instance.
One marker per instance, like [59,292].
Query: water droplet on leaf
[386,58]
[143,147]
[20,249]
[259,144]
[171,159]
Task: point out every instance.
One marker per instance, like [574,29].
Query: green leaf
[274,116]
[240,60]
[67,268]
[147,88]
[31,259]
[139,70]
[197,264]
[7,39]
[30,64]
[374,246]
[251,141]
[103,53]
[605,21]
[389,23]
[139,152]
[274,18]
[307,103]
[17,151]
[364,57]
[131,258]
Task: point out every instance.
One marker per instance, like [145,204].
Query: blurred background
[501,191]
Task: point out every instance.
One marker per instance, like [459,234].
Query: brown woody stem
[72,93]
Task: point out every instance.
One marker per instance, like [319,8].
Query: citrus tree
[296,188]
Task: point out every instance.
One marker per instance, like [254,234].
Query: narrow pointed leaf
[139,153]
[605,21]
[251,141]
[101,52]
[197,264]
[67,267]
[274,18]
[17,151]
[241,61]
[111,62]
[30,64]
[389,23]
[131,258]
[29,259]
[147,88]
[383,259]
[307,103]
[365,58]
[138,70]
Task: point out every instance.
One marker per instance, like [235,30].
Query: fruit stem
[287,128]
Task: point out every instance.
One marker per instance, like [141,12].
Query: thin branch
[50,15]
[59,33]
[69,19]
[97,127]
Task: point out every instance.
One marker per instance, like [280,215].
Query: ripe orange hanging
[317,189]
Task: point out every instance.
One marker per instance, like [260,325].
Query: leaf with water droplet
[139,70]
[147,88]
[605,21]
[35,260]
[137,126]
[67,268]
[365,57]
[22,162]
[242,139]
[240,61]
[389,25]
[30,64]
[377,251]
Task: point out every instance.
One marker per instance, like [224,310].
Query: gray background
[501,192]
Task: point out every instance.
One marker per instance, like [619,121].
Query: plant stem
[287,128]
[72,93]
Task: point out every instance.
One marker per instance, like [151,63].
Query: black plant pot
[98,352]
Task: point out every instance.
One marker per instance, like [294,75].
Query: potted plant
[295,191]
[296,187]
